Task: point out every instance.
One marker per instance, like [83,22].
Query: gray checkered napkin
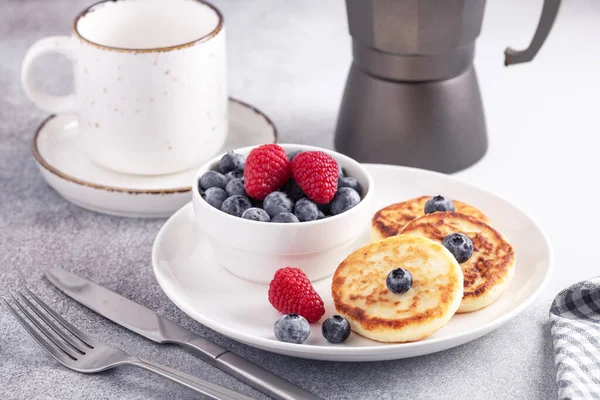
[575,328]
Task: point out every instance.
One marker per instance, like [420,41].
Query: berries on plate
[212,179]
[235,186]
[285,218]
[291,292]
[292,328]
[439,203]
[277,203]
[306,210]
[272,180]
[459,245]
[215,196]
[256,214]
[267,170]
[317,175]
[231,161]
[399,281]
[236,205]
[336,329]
[345,199]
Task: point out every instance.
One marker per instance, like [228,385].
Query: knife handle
[246,371]
[200,347]
[261,379]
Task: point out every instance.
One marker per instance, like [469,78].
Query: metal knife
[147,323]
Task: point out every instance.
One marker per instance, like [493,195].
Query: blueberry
[351,183]
[212,179]
[232,162]
[459,245]
[399,280]
[336,329]
[292,189]
[236,205]
[215,196]
[236,186]
[294,154]
[234,175]
[344,199]
[292,328]
[439,203]
[277,203]
[256,214]
[285,217]
[306,210]
[320,215]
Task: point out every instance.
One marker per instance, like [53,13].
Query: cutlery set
[79,352]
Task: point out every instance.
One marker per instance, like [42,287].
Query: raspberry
[290,292]
[317,175]
[267,169]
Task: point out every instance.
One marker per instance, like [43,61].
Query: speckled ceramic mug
[150,83]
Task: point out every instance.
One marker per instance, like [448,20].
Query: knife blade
[147,323]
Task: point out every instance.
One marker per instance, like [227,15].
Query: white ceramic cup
[150,83]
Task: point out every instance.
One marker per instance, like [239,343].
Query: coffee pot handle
[46,101]
[549,12]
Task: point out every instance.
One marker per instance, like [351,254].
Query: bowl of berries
[276,205]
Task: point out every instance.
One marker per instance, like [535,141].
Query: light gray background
[290,58]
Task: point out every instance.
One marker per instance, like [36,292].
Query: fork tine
[62,357]
[52,325]
[44,331]
[88,341]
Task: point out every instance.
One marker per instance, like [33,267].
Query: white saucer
[186,269]
[64,166]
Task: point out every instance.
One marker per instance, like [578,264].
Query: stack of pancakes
[406,237]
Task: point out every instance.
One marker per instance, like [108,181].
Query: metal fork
[79,352]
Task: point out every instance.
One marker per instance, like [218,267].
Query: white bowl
[255,250]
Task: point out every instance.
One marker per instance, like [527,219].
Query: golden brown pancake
[390,220]
[491,267]
[360,293]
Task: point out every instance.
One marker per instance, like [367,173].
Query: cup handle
[45,101]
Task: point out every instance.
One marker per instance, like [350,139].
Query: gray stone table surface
[290,58]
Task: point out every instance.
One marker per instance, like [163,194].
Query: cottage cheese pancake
[390,220]
[488,271]
[361,296]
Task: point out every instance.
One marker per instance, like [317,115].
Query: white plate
[59,157]
[187,270]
